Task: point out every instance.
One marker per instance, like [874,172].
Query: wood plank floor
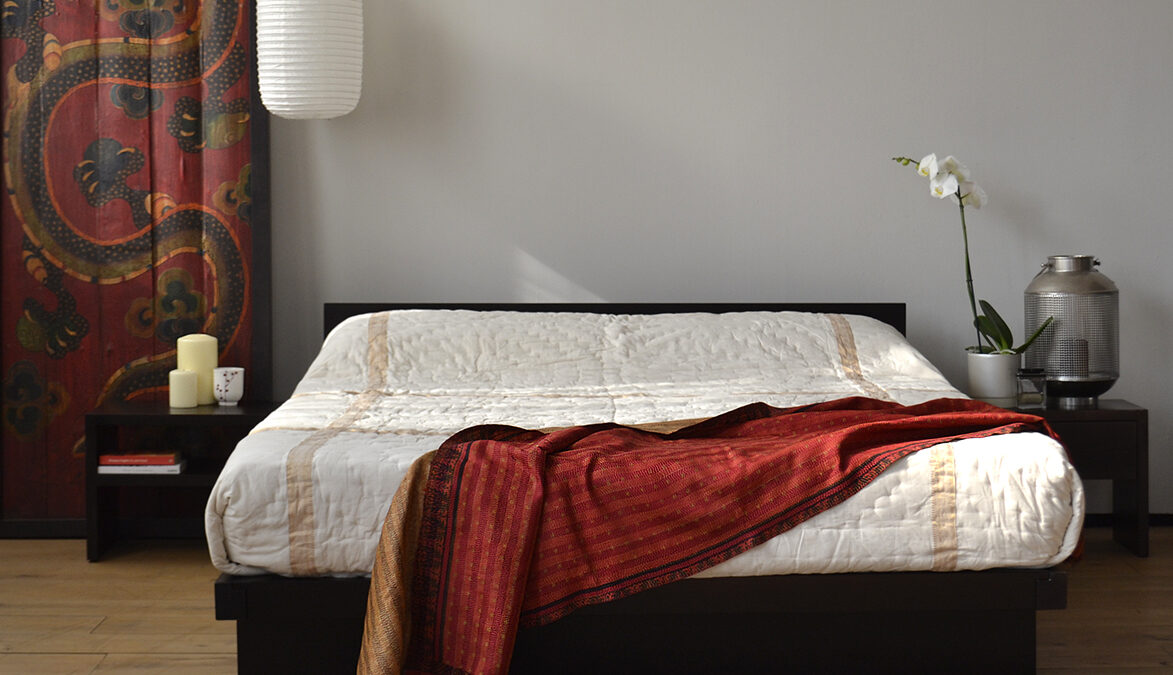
[1119,616]
[148,609]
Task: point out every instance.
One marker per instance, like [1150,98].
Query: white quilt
[306,492]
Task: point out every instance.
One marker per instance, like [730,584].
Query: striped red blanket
[521,527]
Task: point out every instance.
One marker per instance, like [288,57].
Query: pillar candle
[199,353]
[182,388]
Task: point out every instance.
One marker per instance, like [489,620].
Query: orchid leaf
[1003,329]
[1005,337]
[1034,336]
[990,329]
[982,334]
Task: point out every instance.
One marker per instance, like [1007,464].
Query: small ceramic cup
[228,384]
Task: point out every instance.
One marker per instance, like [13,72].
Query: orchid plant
[949,178]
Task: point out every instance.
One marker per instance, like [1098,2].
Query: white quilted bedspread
[306,492]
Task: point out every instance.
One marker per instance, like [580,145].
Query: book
[142,458]
[143,468]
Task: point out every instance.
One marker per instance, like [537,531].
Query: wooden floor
[148,609]
[1119,616]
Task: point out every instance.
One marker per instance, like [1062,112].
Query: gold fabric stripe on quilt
[944,504]
[849,358]
[299,466]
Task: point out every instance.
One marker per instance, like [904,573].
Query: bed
[305,589]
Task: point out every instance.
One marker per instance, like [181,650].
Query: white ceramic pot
[993,378]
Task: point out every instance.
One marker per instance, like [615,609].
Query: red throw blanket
[522,527]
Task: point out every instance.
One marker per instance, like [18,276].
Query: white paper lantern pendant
[309,57]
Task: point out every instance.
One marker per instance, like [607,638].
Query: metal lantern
[1080,351]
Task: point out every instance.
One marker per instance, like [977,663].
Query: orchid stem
[968,272]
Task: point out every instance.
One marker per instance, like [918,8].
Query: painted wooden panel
[128,219]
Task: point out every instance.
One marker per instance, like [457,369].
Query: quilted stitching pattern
[1019,502]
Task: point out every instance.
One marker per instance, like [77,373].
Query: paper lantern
[309,57]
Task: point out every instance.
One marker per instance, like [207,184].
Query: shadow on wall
[535,281]
[436,138]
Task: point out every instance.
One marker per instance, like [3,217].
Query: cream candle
[199,353]
[182,388]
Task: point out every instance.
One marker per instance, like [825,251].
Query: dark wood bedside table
[1111,442]
[216,429]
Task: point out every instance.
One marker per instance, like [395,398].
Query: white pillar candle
[199,353]
[182,388]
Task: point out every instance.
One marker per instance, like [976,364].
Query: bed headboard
[891,313]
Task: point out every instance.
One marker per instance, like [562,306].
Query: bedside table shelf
[215,429]
[205,477]
[1111,442]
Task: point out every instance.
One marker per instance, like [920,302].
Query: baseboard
[160,528]
[43,528]
[127,528]
[1105,519]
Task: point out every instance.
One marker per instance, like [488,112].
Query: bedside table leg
[100,503]
[1130,496]
[1130,515]
[101,516]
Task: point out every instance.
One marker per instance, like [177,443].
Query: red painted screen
[126,218]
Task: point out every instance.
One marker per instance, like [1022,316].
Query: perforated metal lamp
[309,57]
[1080,351]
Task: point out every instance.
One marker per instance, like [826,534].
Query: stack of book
[145,462]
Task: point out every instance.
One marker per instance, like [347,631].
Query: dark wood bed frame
[863,622]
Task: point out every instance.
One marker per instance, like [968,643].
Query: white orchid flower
[951,165]
[943,185]
[928,166]
[950,178]
[972,194]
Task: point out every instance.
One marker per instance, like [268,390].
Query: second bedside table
[220,427]
[1111,442]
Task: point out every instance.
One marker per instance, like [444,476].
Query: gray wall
[656,150]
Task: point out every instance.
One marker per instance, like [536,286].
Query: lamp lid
[1067,274]
[1072,263]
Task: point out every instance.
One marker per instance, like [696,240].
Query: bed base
[867,622]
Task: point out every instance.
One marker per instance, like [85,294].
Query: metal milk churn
[1080,351]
